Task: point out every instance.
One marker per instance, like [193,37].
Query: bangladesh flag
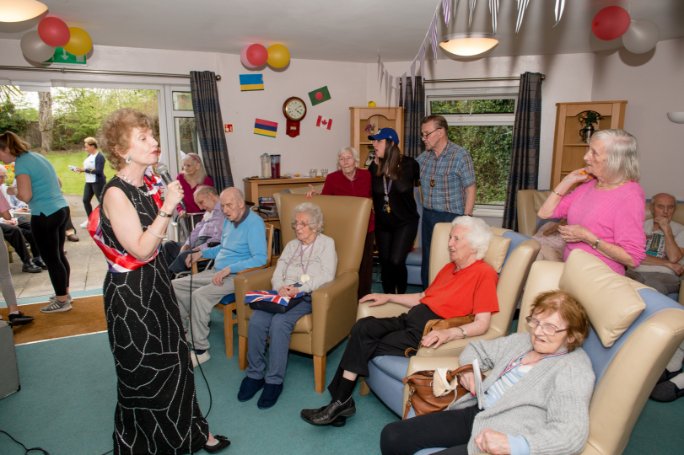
[319,95]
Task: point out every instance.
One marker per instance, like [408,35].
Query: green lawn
[72,182]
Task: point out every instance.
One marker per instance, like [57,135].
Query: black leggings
[393,247]
[451,429]
[49,234]
[89,190]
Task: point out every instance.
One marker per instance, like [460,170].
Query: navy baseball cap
[385,133]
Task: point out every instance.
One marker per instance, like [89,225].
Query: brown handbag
[441,324]
[421,396]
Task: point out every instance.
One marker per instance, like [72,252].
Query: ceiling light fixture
[20,10]
[469,44]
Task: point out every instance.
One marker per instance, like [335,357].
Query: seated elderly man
[243,246]
[206,233]
[465,286]
[662,269]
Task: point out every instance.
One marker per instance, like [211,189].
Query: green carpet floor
[67,397]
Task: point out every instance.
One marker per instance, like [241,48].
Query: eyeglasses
[426,135]
[296,224]
[547,329]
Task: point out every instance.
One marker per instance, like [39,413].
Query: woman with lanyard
[307,263]
[535,397]
[396,215]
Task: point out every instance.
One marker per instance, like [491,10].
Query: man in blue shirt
[447,182]
[243,246]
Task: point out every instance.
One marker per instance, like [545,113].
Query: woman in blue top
[38,186]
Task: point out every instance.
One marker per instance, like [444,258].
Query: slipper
[222,443]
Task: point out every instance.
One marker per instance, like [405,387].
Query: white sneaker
[84,224]
[198,359]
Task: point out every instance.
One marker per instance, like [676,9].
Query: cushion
[496,253]
[611,301]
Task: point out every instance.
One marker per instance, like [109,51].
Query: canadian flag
[323,122]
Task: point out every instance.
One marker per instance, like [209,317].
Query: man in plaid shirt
[447,180]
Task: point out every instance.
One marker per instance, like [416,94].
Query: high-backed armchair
[345,219]
[635,331]
[510,253]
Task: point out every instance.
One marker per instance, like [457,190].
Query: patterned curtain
[205,104]
[525,156]
[413,102]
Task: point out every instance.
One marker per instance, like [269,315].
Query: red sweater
[336,184]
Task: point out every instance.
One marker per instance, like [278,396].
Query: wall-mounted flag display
[250,82]
[319,95]
[323,122]
[265,127]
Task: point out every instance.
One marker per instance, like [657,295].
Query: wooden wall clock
[294,110]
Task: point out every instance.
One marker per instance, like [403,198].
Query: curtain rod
[104,72]
[477,79]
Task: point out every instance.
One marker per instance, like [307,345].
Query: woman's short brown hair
[13,143]
[569,309]
[116,133]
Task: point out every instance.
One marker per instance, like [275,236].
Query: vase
[586,132]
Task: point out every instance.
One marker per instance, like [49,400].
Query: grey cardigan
[549,406]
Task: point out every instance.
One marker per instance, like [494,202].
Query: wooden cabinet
[568,145]
[256,188]
[368,120]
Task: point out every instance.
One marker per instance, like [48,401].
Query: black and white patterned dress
[156,410]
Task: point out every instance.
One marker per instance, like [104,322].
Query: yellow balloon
[79,43]
[278,56]
[371,104]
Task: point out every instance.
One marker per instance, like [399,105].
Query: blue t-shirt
[47,195]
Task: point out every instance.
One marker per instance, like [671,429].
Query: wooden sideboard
[256,188]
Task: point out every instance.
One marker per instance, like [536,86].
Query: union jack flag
[269,296]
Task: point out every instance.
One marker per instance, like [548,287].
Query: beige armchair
[635,331]
[510,253]
[334,304]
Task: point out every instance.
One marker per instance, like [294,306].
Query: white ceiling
[344,30]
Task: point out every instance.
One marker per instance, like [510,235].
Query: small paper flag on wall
[319,95]
[265,127]
[251,82]
[323,122]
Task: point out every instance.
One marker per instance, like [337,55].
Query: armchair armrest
[333,310]
[417,363]
[388,310]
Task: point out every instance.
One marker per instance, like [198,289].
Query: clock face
[294,108]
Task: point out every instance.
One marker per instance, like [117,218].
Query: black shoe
[328,415]
[40,263]
[30,267]
[249,387]
[19,319]
[269,396]
[222,443]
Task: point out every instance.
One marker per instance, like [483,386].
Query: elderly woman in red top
[464,286]
[350,180]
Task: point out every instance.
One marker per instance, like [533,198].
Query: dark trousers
[366,266]
[430,218]
[89,190]
[371,337]
[393,247]
[450,429]
[49,232]
[17,236]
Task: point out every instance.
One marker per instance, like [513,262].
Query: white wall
[653,85]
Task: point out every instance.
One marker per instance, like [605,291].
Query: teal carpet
[66,406]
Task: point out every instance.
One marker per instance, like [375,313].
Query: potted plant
[590,122]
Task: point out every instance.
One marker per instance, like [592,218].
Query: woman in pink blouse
[192,175]
[605,212]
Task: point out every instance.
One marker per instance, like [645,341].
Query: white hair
[478,233]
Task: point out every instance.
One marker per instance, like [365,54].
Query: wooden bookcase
[568,146]
[256,188]
[378,117]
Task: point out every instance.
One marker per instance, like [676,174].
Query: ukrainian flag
[265,127]
[251,82]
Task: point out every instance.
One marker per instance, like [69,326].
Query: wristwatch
[163,214]
[463,332]
[596,244]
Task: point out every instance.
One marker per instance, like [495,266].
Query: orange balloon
[79,43]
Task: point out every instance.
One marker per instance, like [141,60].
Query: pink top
[188,193]
[4,205]
[615,216]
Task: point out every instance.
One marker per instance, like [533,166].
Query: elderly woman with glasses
[307,263]
[535,396]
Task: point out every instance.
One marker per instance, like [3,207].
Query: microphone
[163,172]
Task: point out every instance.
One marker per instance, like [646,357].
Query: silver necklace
[127,180]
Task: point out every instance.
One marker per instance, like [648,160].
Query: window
[481,121]
[182,124]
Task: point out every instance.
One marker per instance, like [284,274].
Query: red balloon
[257,54]
[610,23]
[53,31]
